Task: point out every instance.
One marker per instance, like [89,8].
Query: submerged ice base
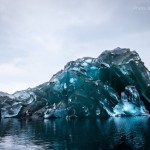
[114,84]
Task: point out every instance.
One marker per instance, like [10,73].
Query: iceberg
[116,83]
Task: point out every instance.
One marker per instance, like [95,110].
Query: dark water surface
[60,134]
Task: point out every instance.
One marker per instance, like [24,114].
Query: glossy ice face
[114,84]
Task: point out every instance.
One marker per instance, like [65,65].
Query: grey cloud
[37,38]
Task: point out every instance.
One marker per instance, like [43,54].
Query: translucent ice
[130,103]
[114,84]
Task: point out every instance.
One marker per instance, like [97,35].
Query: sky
[38,37]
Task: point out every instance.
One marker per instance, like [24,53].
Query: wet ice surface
[112,133]
[116,83]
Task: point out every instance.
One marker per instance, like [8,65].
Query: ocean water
[122,133]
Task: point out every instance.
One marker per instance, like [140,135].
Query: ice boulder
[116,83]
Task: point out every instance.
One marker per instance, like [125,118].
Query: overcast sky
[38,37]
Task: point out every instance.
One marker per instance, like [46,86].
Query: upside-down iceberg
[114,84]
